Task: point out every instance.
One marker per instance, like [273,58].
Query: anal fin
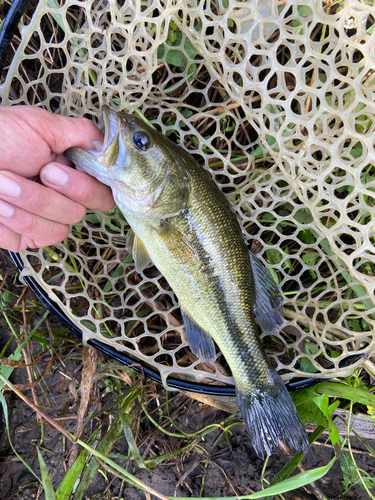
[135,246]
[200,342]
[268,302]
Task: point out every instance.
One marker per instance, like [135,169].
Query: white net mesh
[276,101]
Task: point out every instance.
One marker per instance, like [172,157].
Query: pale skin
[32,142]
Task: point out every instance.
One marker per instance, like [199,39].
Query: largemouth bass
[183,223]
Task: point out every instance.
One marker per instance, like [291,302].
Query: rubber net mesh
[275,99]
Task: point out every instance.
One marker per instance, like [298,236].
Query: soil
[213,467]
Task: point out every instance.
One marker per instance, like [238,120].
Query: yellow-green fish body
[183,223]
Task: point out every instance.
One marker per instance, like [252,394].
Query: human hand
[32,142]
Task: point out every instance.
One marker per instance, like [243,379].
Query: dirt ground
[212,468]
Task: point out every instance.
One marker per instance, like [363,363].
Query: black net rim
[11,21]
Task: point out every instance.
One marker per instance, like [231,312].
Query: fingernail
[8,186]
[55,175]
[6,210]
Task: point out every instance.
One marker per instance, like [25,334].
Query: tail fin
[271,416]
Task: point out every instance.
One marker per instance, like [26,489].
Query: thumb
[59,132]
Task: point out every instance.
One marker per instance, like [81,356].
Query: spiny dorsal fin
[136,247]
[200,342]
[268,302]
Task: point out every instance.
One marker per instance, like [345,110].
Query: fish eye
[141,141]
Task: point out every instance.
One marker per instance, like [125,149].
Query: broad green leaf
[306,236]
[176,58]
[259,152]
[311,347]
[351,474]
[307,409]
[161,51]
[49,492]
[322,402]
[273,256]
[307,366]
[6,298]
[304,10]
[303,216]
[270,139]
[310,259]
[93,218]
[357,150]
[190,50]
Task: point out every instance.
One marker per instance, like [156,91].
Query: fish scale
[183,223]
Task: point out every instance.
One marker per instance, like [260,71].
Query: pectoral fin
[176,242]
[200,342]
[268,303]
[136,247]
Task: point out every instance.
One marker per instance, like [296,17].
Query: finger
[31,229]
[10,240]
[22,149]
[32,137]
[39,200]
[59,132]
[78,186]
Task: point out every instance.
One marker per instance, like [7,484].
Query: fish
[182,223]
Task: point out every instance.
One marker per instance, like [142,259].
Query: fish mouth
[109,123]
[109,155]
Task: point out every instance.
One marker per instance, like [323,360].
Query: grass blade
[125,420]
[294,482]
[5,412]
[46,480]
[288,485]
[104,447]
[67,484]
[293,462]
[355,394]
